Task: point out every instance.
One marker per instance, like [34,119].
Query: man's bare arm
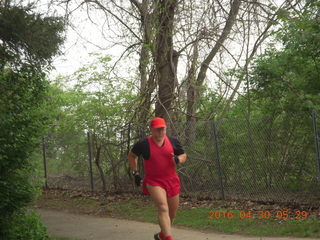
[133,161]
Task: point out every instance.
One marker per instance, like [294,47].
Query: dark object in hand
[176,159]
[137,178]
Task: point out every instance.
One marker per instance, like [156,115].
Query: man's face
[158,134]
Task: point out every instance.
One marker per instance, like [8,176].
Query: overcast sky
[82,38]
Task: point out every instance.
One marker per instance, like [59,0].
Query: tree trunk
[98,164]
[146,80]
[166,58]
[205,64]
[190,129]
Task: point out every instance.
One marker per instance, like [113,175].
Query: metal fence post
[317,140]
[215,137]
[44,163]
[90,160]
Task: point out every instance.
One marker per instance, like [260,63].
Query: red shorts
[170,184]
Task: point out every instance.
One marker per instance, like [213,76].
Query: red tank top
[160,163]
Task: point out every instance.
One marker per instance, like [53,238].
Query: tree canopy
[24,36]
[28,41]
[290,75]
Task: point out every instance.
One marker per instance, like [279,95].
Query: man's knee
[163,208]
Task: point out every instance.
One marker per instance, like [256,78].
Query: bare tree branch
[115,16]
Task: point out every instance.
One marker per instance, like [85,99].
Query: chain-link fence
[269,159]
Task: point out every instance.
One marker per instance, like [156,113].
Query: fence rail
[270,159]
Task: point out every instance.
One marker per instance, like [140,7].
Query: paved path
[86,227]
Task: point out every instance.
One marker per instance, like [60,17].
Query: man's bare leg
[159,197]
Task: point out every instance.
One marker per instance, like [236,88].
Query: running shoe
[157,236]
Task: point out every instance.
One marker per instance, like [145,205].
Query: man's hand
[137,178]
[175,159]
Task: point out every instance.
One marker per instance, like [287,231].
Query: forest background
[238,83]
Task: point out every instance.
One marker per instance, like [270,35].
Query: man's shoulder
[143,141]
[173,139]
[178,149]
[142,148]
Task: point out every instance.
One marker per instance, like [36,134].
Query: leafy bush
[23,59]
[24,225]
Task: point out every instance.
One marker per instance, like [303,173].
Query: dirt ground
[88,227]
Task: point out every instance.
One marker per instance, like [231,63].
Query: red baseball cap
[158,122]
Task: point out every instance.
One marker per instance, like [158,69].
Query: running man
[161,154]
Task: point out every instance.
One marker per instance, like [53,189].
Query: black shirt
[142,147]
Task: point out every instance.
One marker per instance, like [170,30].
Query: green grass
[133,210]
[142,209]
[198,218]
